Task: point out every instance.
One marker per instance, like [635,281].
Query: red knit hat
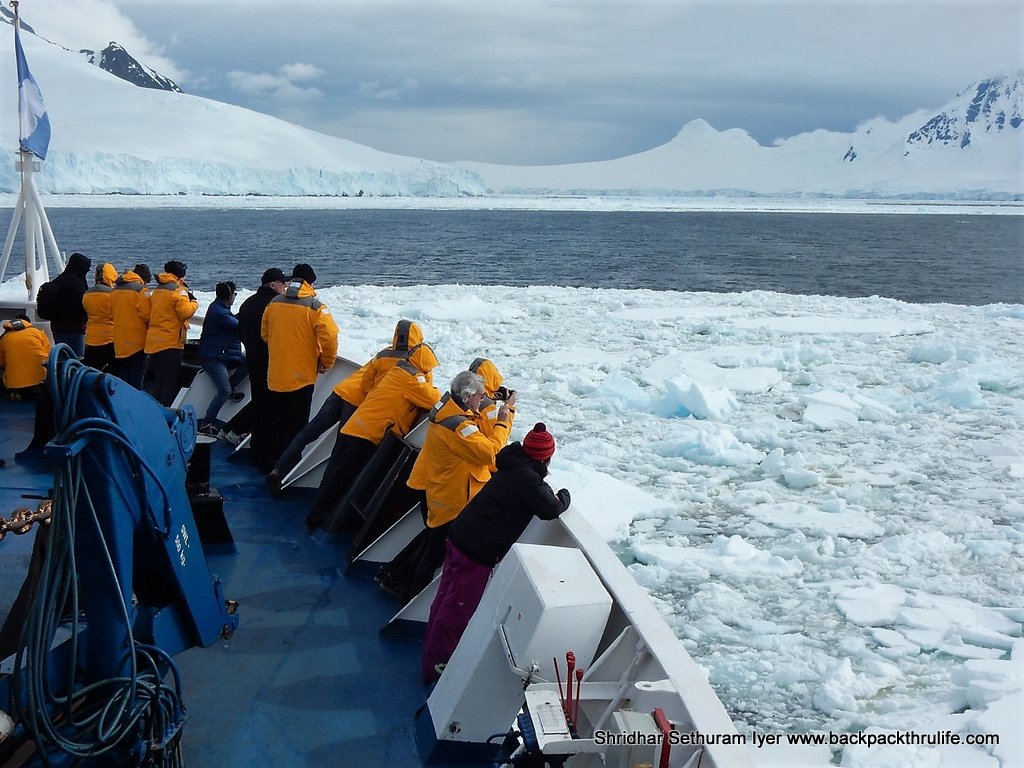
[539,444]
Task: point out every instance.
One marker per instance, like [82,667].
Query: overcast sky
[558,81]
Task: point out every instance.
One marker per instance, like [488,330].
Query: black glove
[191,296]
[563,496]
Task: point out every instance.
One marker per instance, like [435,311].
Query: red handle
[558,677]
[666,728]
[570,665]
[576,708]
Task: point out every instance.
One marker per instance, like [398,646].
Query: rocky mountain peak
[117,61]
[986,108]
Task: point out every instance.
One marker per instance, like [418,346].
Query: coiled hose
[136,718]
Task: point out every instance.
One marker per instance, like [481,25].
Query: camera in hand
[503,393]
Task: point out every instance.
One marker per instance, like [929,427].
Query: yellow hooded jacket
[354,389]
[23,351]
[489,407]
[99,328]
[405,391]
[168,308]
[301,336]
[454,462]
[127,302]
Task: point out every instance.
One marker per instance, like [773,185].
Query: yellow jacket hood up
[354,389]
[491,375]
[108,274]
[98,306]
[129,302]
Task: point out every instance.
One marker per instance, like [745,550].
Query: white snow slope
[112,137]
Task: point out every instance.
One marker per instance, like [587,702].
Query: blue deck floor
[305,680]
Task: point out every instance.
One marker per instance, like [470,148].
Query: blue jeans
[217,370]
[74,340]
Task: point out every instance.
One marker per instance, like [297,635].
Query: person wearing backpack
[60,302]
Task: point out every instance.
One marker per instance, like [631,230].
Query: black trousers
[100,357]
[430,558]
[348,457]
[165,365]
[287,413]
[131,369]
[260,441]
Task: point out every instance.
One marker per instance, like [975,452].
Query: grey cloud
[601,76]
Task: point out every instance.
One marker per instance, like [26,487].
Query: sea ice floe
[796,516]
[708,444]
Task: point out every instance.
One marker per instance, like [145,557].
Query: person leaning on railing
[220,352]
[347,395]
[453,466]
[482,535]
[406,391]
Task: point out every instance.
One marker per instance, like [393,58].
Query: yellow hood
[407,335]
[422,356]
[107,274]
[491,375]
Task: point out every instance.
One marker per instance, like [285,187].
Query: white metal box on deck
[555,604]
[541,602]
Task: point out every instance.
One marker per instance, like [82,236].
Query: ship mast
[38,236]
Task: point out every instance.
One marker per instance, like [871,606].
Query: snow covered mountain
[112,137]
[117,61]
[986,109]
[109,136]
[971,149]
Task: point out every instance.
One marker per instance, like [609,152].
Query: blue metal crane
[121,581]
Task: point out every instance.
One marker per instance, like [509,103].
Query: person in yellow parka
[302,341]
[396,576]
[453,466]
[99,327]
[405,391]
[346,396]
[495,395]
[24,350]
[128,304]
[170,305]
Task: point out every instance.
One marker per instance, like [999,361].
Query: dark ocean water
[962,259]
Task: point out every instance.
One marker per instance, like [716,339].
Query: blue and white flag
[35,124]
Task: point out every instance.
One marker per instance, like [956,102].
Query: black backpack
[47,301]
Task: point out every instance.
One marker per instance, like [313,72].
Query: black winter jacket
[69,316]
[250,322]
[496,517]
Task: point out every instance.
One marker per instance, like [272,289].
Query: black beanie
[143,271]
[176,268]
[304,272]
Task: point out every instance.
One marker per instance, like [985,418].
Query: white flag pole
[38,233]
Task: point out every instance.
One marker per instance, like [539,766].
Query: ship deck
[305,680]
